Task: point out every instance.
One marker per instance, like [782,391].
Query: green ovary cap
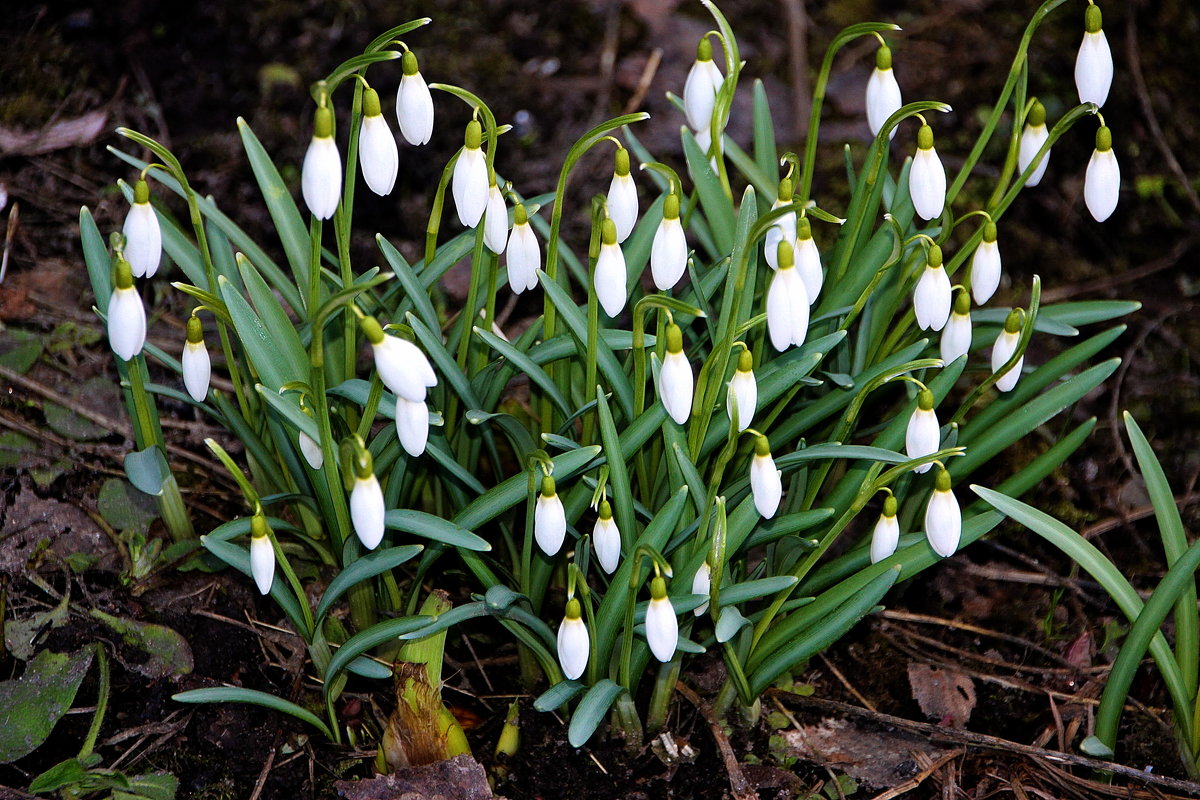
[371,329]
[122,273]
[942,483]
[408,63]
[371,103]
[784,255]
[989,232]
[1093,20]
[890,506]
[658,588]
[883,57]
[259,527]
[548,487]
[762,446]
[474,136]
[934,259]
[1103,139]
[195,331]
[621,159]
[674,339]
[608,232]
[786,190]
[573,609]
[704,49]
[1037,114]
[671,206]
[925,138]
[141,191]
[605,509]
[803,229]
[520,215]
[925,400]
[745,361]
[1012,323]
[323,122]
[962,303]
[364,465]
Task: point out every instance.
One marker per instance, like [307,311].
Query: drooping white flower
[702,584]
[931,300]
[573,643]
[367,508]
[470,182]
[414,104]
[126,314]
[808,260]
[143,236]
[668,252]
[700,90]
[1003,349]
[412,425]
[311,450]
[1094,64]
[927,177]
[524,252]
[787,303]
[402,366]
[766,482]
[883,92]
[956,336]
[549,518]
[622,200]
[662,627]
[986,266]
[262,554]
[675,380]
[495,222]
[784,227]
[377,151]
[321,175]
[943,518]
[743,391]
[1033,137]
[610,275]
[923,436]
[886,535]
[606,539]
[197,366]
[1102,183]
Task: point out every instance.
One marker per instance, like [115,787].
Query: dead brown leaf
[59,136]
[943,694]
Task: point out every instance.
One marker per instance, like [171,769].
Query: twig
[741,788]
[920,777]
[797,32]
[837,673]
[643,86]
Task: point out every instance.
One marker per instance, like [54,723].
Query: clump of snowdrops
[737,451]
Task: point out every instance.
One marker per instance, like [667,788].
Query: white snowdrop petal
[1102,184]
[378,155]
[412,425]
[469,186]
[623,205]
[197,370]
[743,390]
[985,271]
[883,99]
[606,540]
[923,436]
[884,538]
[943,523]
[524,258]
[549,524]
[321,177]
[927,184]
[610,279]
[668,254]
[766,484]
[1002,351]
[414,109]
[700,93]
[676,385]
[367,511]
[311,450]
[1094,68]
[143,240]
[126,323]
[956,337]
[262,563]
[808,267]
[784,228]
[662,629]
[1032,139]
[702,584]
[932,299]
[403,368]
[573,647]
[495,223]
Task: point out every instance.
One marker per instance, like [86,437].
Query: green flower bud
[549,489]
[1037,114]
[934,258]
[323,122]
[371,329]
[671,207]
[658,588]
[141,191]
[608,231]
[408,63]
[195,330]
[890,506]
[474,136]
[883,57]
[925,400]
[989,232]
[1103,137]
[371,103]
[674,339]
[1093,20]
[925,138]
[622,162]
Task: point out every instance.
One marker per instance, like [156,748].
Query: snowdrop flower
[470,183]
[414,104]
[606,539]
[766,482]
[927,177]
[886,534]
[662,628]
[787,302]
[883,92]
[1033,137]
[549,518]
[956,336]
[126,314]
[675,381]
[524,252]
[366,501]
[784,227]
[1094,64]
[311,450]
[622,200]
[1003,349]
[495,222]
[262,554]
[610,274]
[412,425]
[943,519]
[378,156]
[668,253]
[700,90]
[808,260]
[931,300]
[402,366]
[321,175]
[197,367]
[143,236]
[1102,183]
[573,644]
[985,266]
[702,584]
[924,435]
[743,391]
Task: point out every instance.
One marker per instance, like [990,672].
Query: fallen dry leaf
[882,757]
[61,135]
[943,694]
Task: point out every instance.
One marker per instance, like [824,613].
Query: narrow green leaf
[557,695]
[618,474]
[766,157]
[236,694]
[591,711]
[718,208]
[446,365]
[526,365]
[414,292]
[273,316]
[366,640]
[368,566]
[752,590]
[239,558]
[270,364]
[288,407]
[504,496]
[428,526]
[95,255]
